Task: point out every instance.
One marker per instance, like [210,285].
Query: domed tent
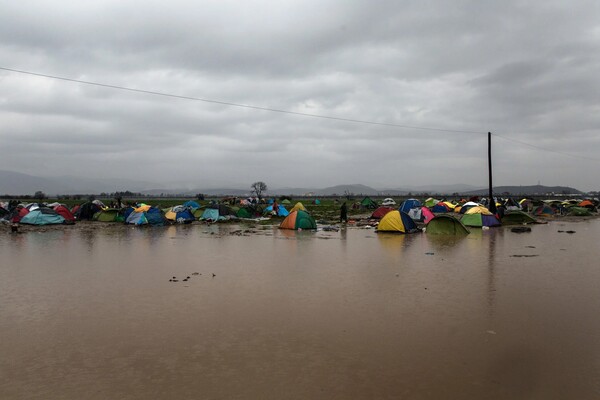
[467,206]
[430,202]
[281,211]
[478,217]
[440,207]
[544,210]
[65,213]
[109,215]
[409,204]
[421,214]
[517,218]
[152,216]
[446,225]
[579,211]
[191,204]
[367,202]
[298,220]
[42,216]
[380,212]
[180,214]
[388,202]
[298,206]
[397,221]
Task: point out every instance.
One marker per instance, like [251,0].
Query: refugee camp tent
[446,225]
[191,204]
[245,212]
[42,216]
[397,221]
[579,211]
[18,213]
[281,211]
[388,202]
[109,215]
[409,204]
[468,205]
[544,210]
[211,214]
[86,211]
[316,202]
[367,202]
[298,220]
[479,217]
[65,213]
[286,201]
[421,214]
[180,214]
[517,218]
[430,202]
[298,206]
[587,204]
[380,212]
[511,205]
[440,207]
[152,216]
[451,206]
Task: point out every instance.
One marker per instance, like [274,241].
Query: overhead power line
[327,117]
[226,103]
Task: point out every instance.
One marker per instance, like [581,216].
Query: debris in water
[525,255]
[491,332]
[520,229]
[429,254]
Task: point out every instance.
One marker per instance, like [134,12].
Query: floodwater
[91,314]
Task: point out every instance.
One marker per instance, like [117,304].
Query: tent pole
[492,206]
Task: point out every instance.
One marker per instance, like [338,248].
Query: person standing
[344,213]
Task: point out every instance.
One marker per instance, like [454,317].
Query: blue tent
[43,216]
[153,216]
[409,204]
[191,204]
[180,214]
[281,211]
[210,214]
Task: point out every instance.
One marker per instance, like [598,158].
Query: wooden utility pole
[492,206]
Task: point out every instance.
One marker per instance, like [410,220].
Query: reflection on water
[89,312]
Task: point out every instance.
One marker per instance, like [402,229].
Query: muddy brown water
[91,314]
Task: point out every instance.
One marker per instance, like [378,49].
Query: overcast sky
[526,71]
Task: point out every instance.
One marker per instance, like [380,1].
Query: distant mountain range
[16,183]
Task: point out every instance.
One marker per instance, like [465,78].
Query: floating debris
[520,229]
[525,255]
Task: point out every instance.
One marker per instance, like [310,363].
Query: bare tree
[259,188]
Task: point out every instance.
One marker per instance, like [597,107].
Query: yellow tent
[478,210]
[298,206]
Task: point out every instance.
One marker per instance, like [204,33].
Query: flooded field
[92,312]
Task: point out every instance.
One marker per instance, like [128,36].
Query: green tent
[517,218]
[367,202]
[579,211]
[244,213]
[285,201]
[446,225]
[109,215]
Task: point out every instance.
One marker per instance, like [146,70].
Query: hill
[534,190]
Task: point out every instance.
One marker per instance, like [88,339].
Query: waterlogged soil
[248,311]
